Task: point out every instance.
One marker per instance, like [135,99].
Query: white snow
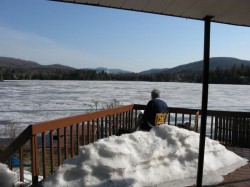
[165,156]
[8,177]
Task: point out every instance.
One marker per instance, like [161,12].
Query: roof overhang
[234,12]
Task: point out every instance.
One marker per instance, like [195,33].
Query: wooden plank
[110,126]
[83,134]
[51,152]
[114,125]
[216,128]
[220,129]
[72,141]
[102,128]
[60,123]
[59,159]
[169,115]
[34,160]
[21,165]
[98,129]
[88,131]
[230,129]
[93,130]
[44,154]
[175,121]
[106,126]
[239,177]
[212,125]
[65,143]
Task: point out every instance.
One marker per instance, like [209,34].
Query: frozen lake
[27,102]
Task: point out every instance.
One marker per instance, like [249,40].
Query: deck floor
[241,176]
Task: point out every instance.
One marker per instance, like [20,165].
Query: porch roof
[235,12]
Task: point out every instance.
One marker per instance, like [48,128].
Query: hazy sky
[88,37]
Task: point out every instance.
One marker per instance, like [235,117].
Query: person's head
[155,93]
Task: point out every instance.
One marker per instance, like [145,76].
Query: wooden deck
[241,176]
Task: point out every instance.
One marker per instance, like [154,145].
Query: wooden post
[34,160]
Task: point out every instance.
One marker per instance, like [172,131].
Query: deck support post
[207,20]
[34,160]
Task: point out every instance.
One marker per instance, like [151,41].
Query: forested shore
[233,75]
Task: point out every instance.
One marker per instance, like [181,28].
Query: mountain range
[9,62]
[215,62]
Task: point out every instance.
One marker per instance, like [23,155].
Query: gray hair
[155,93]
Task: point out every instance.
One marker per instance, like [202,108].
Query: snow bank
[165,156]
[8,178]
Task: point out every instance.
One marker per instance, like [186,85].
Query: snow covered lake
[165,156]
[28,102]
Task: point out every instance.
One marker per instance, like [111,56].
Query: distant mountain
[24,64]
[215,62]
[17,63]
[224,71]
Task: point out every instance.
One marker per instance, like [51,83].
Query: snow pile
[8,177]
[165,156]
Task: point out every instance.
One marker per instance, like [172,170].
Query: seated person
[147,120]
[154,106]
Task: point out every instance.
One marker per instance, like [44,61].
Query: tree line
[234,75]
[51,74]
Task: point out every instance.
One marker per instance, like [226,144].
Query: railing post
[97,129]
[114,128]
[211,128]
[83,134]
[77,138]
[58,147]
[88,129]
[110,125]
[102,129]
[131,119]
[51,152]
[72,141]
[21,165]
[106,127]
[44,154]
[65,143]
[93,130]
[34,160]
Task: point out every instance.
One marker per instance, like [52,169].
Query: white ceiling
[235,12]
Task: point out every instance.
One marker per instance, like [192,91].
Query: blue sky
[89,37]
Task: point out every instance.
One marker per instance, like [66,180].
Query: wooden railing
[46,145]
[228,127]
[49,143]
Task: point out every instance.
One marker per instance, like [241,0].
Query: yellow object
[196,120]
[160,118]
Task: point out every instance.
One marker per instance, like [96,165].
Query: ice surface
[27,102]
